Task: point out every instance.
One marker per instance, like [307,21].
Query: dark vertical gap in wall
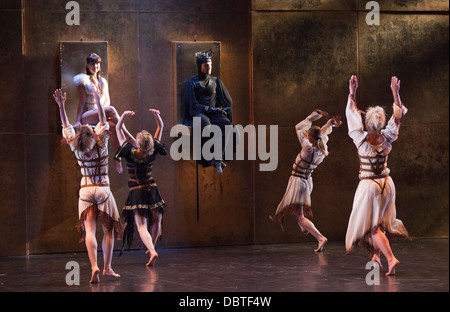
[27,247]
[252,120]
[138,30]
[196,189]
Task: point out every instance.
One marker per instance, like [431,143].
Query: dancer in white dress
[95,198]
[297,198]
[374,214]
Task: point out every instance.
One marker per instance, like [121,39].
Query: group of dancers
[373,214]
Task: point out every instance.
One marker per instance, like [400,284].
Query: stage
[424,267]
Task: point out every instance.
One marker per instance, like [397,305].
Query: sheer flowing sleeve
[393,125]
[304,126]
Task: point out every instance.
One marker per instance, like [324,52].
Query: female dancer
[96,200]
[144,204]
[87,108]
[373,211]
[297,198]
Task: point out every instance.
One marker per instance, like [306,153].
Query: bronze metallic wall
[279,60]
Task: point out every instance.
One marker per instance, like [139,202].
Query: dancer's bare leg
[376,257]
[141,224]
[108,248]
[91,245]
[309,226]
[381,242]
[155,227]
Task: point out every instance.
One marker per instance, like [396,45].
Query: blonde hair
[84,140]
[145,141]
[315,133]
[375,118]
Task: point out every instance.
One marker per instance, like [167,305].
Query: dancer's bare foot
[110,272]
[376,257]
[392,264]
[153,256]
[95,276]
[322,242]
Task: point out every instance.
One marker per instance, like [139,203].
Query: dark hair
[316,133]
[94,58]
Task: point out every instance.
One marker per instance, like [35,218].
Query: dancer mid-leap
[297,198]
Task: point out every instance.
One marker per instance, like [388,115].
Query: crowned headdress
[204,56]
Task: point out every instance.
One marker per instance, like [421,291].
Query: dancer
[87,108]
[297,198]
[207,97]
[144,204]
[373,211]
[95,198]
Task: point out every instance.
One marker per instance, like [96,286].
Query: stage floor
[424,267]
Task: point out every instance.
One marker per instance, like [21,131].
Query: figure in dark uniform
[206,97]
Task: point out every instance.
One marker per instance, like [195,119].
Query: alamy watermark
[73,17]
[373,17]
[373,277]
[73,277]
[234,136]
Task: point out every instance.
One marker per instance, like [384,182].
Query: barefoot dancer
[297,199]
[374,211]
[144,203]
[96,200]
[87,108]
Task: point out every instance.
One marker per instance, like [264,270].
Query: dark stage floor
[257,268]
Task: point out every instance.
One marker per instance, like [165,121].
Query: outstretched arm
[119,129]
[305,124]
[159,121]
[60,99]
[353,114]
[332,122]
[395,87]
[399,111]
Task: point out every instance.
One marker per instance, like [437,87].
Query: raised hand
[59,97]
[336,121]
[155,111]
[395,84]
[323,113]
[353,85]
[128,113]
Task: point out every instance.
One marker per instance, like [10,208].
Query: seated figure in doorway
[206,97]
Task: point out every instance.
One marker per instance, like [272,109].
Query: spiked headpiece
[204,56]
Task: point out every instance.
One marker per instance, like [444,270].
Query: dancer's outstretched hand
[395,84]
[353,85]
[323,113]
[128,113]
[336,121]
[59,97]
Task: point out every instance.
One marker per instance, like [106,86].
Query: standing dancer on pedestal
[373,213]
[297,198]
[95,198]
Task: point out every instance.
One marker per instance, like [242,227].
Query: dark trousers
[218,119]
